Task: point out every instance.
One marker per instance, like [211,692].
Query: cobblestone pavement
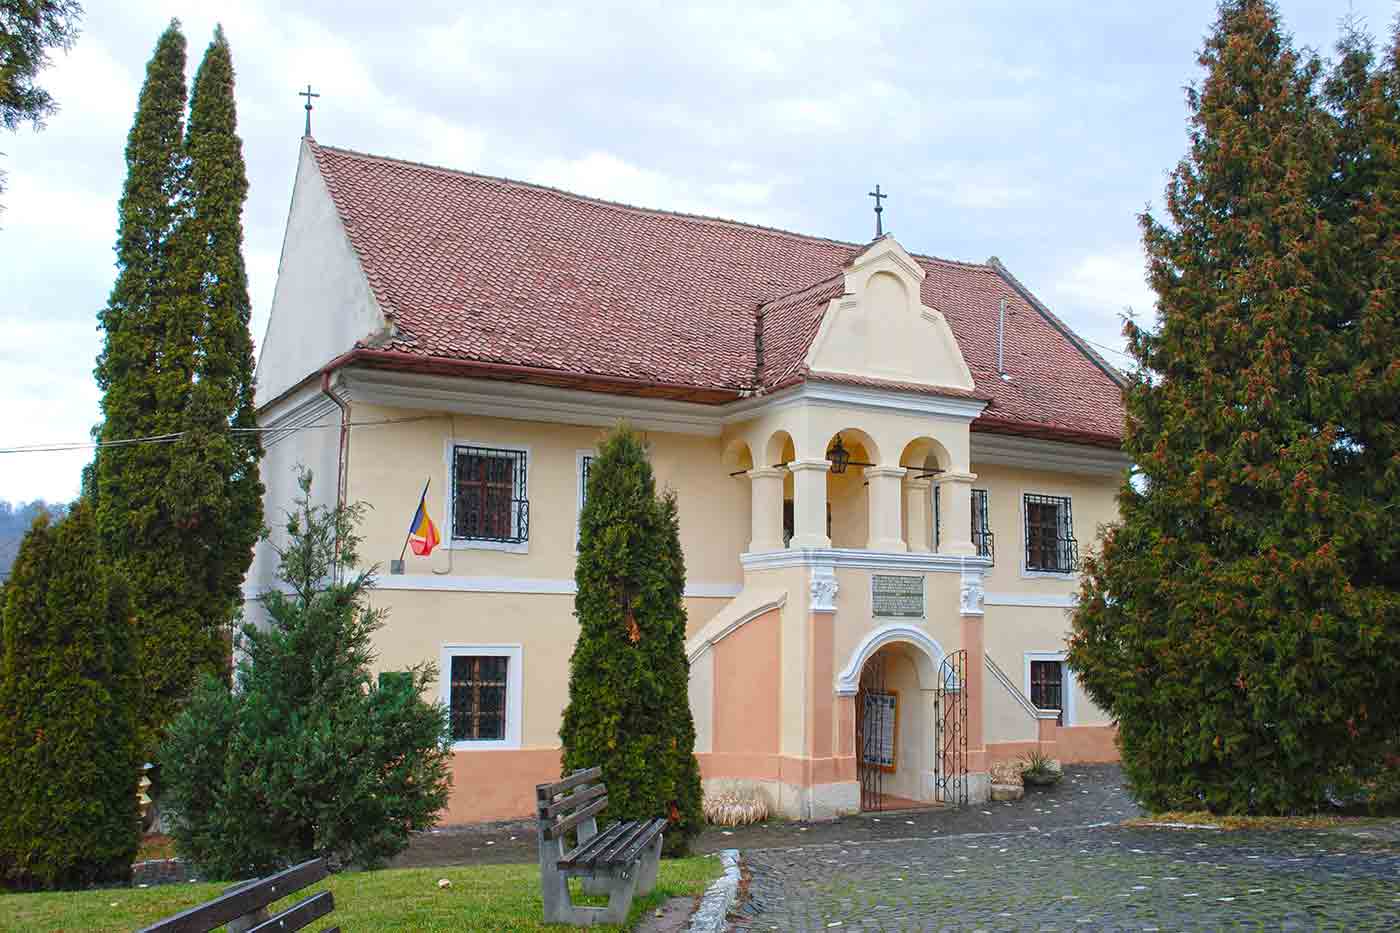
[1088,794]
[1099,878]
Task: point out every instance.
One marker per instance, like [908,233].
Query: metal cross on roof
[308,94]
[879,227]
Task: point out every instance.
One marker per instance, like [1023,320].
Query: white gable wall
[322,303]
[880,329]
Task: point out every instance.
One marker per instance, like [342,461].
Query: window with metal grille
[1050,544]
[585,464]
[1047,686]
[937,522]
[488,495]
[982,535]
[478,698]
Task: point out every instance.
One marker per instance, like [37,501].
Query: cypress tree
[179,518]
[629,707]
[146,369]
[216,496]
[1233,622]
[68,808]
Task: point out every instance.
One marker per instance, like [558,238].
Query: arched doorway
[910,720]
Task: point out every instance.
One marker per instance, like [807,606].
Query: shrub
[629,706]
[308,756]
[68,752]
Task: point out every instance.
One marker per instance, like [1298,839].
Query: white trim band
[451,584]
[906,561]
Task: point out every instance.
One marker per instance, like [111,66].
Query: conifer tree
[145,371]
[309,757]
[68,807]
[1234,622]
[629,707]
[179,518]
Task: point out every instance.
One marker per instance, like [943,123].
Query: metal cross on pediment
[308,94]
[879,227]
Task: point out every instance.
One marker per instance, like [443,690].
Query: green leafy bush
[308,756]
[68,754]
[629,707]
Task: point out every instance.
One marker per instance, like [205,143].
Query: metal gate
[949,733]
[870,722]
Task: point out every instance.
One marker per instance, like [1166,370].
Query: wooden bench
[621,861]
[244,906]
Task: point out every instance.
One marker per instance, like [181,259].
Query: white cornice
[457,584]
[1035,454]
[1031,600]
[528,402]
[908,562]
[846,396]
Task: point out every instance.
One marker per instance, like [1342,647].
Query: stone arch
[855,436]
[926,452]
[778,449]
[737,455]
[927,654]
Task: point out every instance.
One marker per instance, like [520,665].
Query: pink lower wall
[746,691]
[498,784]
[1070,744]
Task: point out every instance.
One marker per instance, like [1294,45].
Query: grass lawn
[484,897]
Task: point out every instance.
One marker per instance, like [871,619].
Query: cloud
[1114,281]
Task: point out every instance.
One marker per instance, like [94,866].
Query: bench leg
[619,899]
[648,865]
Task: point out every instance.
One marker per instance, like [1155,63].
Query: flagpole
[423,503]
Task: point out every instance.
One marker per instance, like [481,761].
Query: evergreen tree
[145,372]
[1235,622]
[629,707]
[215,493]
[68,807]
[179,518]
[309,757]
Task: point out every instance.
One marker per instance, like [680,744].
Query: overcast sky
[1032,132]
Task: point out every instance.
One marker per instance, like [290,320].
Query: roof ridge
[622,205]
[811,286]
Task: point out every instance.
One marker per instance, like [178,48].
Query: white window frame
[449,461]
[1067,686]
[579,456]
[515,690]
[1021,507]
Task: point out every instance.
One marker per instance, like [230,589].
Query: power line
[64,446]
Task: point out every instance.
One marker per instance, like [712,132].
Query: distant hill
[15,519]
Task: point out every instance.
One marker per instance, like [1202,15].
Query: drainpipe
[342,450]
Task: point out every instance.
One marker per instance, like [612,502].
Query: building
[886,463]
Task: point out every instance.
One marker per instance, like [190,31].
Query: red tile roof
[548,286]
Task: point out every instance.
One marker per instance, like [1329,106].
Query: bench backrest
[565,804]
[254,896]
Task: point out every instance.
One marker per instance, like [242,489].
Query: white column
[809,503]
[955,506]
[885,531]
[917,506]
[767,506]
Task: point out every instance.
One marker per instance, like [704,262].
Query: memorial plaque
[897,597]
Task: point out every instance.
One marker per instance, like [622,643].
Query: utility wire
[61,446]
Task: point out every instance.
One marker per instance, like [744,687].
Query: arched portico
[928,656]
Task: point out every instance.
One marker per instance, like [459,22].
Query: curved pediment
[880,328]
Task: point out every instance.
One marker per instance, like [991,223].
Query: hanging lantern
[839,456]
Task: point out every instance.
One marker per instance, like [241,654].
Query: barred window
[488,495]
[1047,686]
[937,518]
[585,466]
[477,706]
[1050,543]
[982,526]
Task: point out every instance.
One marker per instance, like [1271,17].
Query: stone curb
[714,907]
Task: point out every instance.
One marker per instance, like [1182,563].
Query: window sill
[484,745]
[1049,574]
[508,547]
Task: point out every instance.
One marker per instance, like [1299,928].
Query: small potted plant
[1039,770]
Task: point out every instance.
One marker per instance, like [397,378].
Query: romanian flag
[422,533]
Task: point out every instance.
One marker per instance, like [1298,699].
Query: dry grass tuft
[735,805]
